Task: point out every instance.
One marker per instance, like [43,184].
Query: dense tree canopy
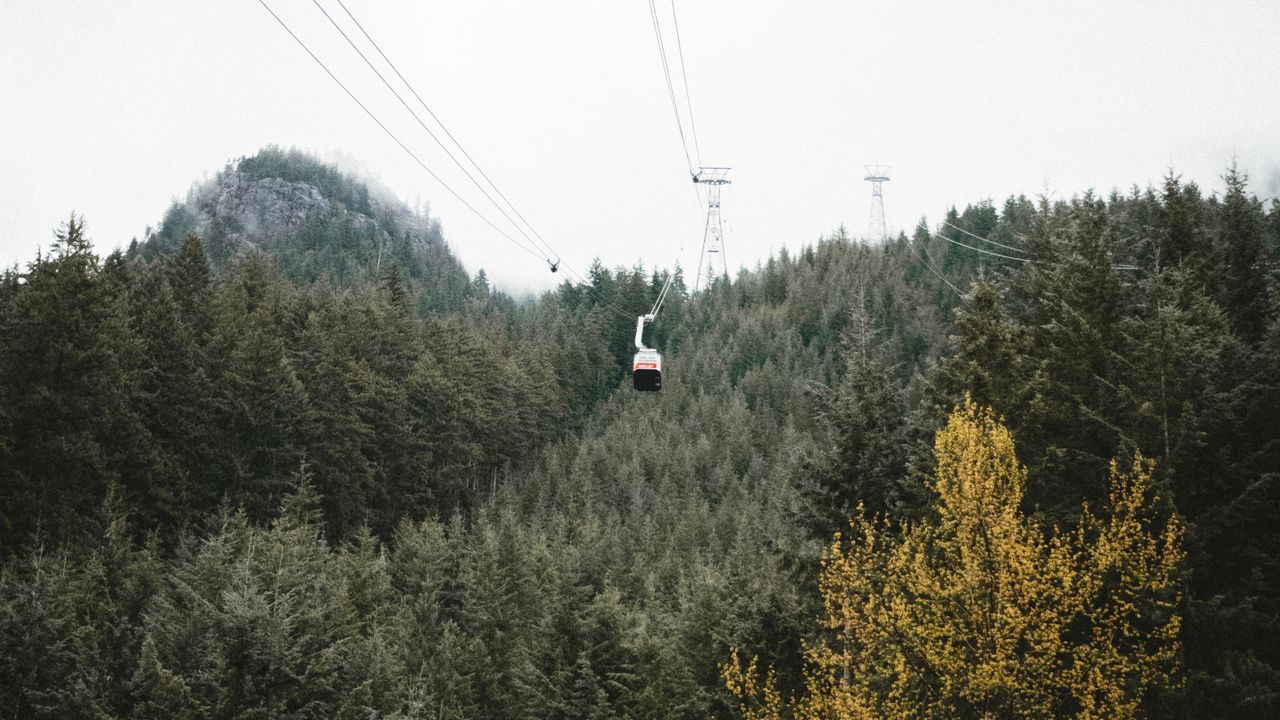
[323,471]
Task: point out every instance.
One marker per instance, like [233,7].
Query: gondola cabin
[646,368]
[646,371]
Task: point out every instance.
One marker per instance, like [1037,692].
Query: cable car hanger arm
[640,323]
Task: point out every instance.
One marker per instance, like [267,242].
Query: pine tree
[1180,386]
[1247,298]
[259,406]
[340,444]
[191,285]
[158,693]
[173,401]
[502,607]
[67,362]
[1182,238]
[1074,301]
[989,353]
[865,466]
[45,647]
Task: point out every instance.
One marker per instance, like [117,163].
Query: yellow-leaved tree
[976,612]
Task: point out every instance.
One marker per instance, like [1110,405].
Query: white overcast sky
[112,109]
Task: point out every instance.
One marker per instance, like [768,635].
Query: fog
[113,109]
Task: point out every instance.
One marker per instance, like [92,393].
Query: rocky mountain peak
[312,218]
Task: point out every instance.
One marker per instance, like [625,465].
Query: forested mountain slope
[228,494]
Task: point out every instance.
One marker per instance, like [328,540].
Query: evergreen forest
[285,457]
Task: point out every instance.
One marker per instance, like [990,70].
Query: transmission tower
[876,175]
[713,238]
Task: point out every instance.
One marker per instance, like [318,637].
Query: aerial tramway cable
[983,239]
[684,76]
[671,92]
[529,249]
[662,295]
[1011,257]
[675,110]
[911,245]
[447,133]
[553,264]
[397,140]
[433,136]
[977,249]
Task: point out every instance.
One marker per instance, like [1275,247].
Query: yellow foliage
[978,613]
[758,702]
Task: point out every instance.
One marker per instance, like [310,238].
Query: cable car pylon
[713,237]
[877,175]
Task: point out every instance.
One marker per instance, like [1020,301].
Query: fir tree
[1247,298]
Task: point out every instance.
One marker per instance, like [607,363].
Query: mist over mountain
[315,221]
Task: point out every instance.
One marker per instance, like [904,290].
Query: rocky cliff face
[261,207]
[285,202]
[315,222]
[251,211]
